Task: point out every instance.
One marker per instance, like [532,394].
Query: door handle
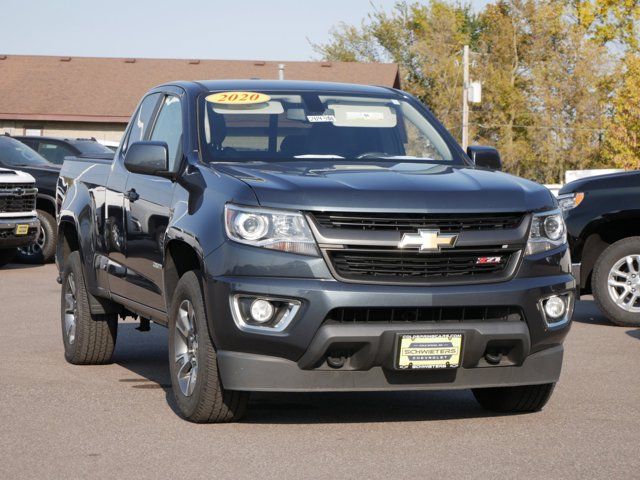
[132,195]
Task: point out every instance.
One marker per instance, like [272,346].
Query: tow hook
[493,358]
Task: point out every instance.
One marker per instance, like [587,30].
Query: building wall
[100,131]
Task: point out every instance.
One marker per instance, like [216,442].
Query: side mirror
[485,157]
[150,158]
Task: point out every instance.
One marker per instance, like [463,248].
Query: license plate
[434,351]
[22,229]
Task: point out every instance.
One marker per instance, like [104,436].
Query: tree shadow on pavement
[145,355]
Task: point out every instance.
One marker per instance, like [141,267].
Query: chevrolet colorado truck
[602,214]
[303,236]
[19,225]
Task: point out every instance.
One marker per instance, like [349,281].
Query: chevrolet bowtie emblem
[428,240]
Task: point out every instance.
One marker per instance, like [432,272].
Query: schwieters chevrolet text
[298,236]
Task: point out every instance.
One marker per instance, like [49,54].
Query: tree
[550,71]
[622,146]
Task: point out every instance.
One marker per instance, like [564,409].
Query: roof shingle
[91,89]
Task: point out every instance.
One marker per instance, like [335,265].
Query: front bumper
[8,236]
[242,371]
[296,359]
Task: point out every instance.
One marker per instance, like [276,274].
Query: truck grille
[12,203]
[411,222]
[396,266]
[425,314]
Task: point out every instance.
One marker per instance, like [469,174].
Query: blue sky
[213,29]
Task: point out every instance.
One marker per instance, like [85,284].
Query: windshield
[16,154]
[236,126]
[91,147]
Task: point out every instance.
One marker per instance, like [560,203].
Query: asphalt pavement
[117,421]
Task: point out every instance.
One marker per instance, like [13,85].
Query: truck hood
[602,182]
[14,176]
[405,186]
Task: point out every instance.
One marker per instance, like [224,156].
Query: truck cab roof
[285,85]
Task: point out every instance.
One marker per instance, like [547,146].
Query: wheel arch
[600,237]
[46,203]
[68,241]
[180,257]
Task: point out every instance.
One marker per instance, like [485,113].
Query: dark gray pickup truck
[298,236]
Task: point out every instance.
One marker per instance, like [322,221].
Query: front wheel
[44,248]
[199,393]
[616,282]
[521,399]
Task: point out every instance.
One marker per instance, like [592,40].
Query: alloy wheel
[186,348]
[70,309]
[624,283]
[36,247]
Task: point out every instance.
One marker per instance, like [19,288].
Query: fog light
[555,307]
[261,310]
[261,314]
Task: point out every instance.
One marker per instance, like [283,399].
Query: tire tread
[520,399]
[95,334]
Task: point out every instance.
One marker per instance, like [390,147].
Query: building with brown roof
[94,97]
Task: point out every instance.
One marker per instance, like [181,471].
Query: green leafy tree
[622,145]
[551,74]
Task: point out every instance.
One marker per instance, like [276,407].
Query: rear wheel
[522,399]
[199,393]
[616,282]
[88,339]
[6,255]
[44,248]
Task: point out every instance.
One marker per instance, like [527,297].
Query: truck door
[147,202]
[114,235]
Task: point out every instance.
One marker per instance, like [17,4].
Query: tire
[198,391]
[44,249]
[6,255]
[627,313]
[88,339]
[522,399]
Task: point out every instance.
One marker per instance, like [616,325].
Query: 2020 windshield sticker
[238,98]
[374,116]
[321,118]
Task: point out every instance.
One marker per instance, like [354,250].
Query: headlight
[547,231]
[267,228]
[570,200]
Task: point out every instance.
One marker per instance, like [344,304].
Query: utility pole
[465,98]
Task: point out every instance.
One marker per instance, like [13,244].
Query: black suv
[55,149]
[603,221]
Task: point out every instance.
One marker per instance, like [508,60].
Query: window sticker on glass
[321,118]
[238,98]
[365,116]
[372,116]
[268,108]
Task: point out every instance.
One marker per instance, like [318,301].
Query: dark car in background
[55,149]
[603,222]
[16,155]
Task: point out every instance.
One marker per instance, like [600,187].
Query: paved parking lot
[116,421]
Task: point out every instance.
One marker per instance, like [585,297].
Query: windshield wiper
[317,155]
